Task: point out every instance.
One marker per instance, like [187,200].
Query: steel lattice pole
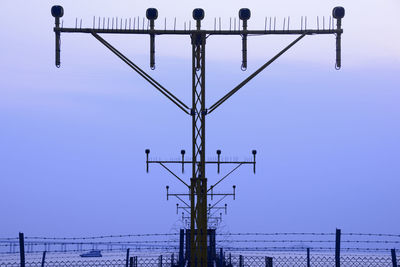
[198,188]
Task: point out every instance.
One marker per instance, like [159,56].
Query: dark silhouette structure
[198,189]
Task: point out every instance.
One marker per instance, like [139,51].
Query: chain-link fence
[315,261]
[288,260]
[230,250]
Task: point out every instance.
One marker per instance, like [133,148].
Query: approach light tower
[197,188]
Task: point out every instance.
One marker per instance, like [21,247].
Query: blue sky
[72,140]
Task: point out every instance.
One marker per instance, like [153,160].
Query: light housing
[244,14]
[57,11]
[198,14]
[151,14]
[338,12]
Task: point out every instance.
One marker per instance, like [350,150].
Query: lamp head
[338,12]
[244,14]
[151,14]
[57,11]
[198,14]
[254,152]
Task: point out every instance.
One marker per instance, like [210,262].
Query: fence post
[221,257]
[172,259]
[308,257]
[187,245]
[43,258]
[337,248]
[181,246]
[394,259]
[131,262]
[241,261]
[135,262]
[160,259]
[22,249]
[268,262]
[127,258]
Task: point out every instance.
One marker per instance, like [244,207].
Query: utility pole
[198,190]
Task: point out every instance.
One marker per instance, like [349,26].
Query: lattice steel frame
[198,190]
[198,182]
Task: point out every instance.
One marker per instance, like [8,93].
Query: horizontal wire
[100,237]
[275,234]
[367,234]
[311,241]
[222,234]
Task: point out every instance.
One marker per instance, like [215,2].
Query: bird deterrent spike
[265,24]
[284,22]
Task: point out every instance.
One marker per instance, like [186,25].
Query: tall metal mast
[198,188]
[198,182]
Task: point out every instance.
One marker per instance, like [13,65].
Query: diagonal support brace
[176,176]
[234,90]
[142,73]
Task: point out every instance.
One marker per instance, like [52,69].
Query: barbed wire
[371,234]
[276,234]
[221,234]
[119,243]
[141,248]
[311,241]
[100,237]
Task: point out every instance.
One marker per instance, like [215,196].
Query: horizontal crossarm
[207,32]
[142,73]
[234,90]
[190,162]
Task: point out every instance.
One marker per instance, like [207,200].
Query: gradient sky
[72,140]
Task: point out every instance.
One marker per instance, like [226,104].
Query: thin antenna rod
[270,24]
[265,24]
[301,27]
[284,22]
